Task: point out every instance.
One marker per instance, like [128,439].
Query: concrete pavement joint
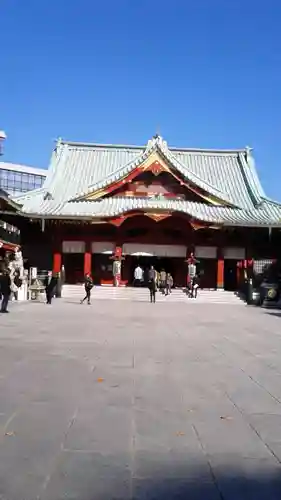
[254,356]
[254,429]
[256,382]
[208,461]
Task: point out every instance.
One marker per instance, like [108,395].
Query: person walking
[5,289]
[62,275]
[163,281]
[195,286]
[47,282]
[169,284]
[152,277]
[88,284]
[50,285]
[14,291]
[17,284]
[138,276]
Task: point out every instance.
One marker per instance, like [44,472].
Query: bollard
[58,289]
[250,291]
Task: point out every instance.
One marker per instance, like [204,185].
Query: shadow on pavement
[275,313]
[254,480]
[228,486]
[73,302]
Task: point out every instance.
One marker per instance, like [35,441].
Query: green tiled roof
[267,214]
[79,169]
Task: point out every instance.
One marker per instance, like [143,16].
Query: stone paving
[140,401]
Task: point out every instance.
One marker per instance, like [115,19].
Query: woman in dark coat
[88,287]
[5,289]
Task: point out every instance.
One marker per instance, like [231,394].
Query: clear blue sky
[206,73]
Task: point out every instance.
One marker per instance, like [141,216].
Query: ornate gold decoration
[197,225]
[118,221]
[157,217]
[156,168]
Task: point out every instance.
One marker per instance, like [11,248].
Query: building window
[19,182]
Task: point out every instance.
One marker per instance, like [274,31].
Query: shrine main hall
[148,205]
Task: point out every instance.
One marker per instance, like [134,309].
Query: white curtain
[105,247]
[73,246]
[154,250]
[206,252]
[235,253]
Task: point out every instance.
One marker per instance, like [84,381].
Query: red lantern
[118,252]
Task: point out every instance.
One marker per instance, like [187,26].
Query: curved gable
[156,153]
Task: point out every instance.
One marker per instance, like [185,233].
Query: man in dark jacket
[88,287]
[152,283]
[50,285]
[5,288]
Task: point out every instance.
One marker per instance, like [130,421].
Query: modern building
[17,179]
[152,204]
[9,234]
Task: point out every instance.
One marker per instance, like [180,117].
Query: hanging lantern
[118,252]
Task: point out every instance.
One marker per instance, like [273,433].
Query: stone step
[76,292]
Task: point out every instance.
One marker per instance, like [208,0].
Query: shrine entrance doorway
[174,266]
[162,244]
[73,264]
[230,275]
[170,258]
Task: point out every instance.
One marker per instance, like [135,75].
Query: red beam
[8,246]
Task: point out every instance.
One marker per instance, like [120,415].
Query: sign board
[33,273]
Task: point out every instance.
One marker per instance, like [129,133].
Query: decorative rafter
[158,216]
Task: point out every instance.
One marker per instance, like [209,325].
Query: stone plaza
[123,400]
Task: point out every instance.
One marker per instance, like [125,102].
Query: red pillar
[87,263]
[57,262]
[220,274]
